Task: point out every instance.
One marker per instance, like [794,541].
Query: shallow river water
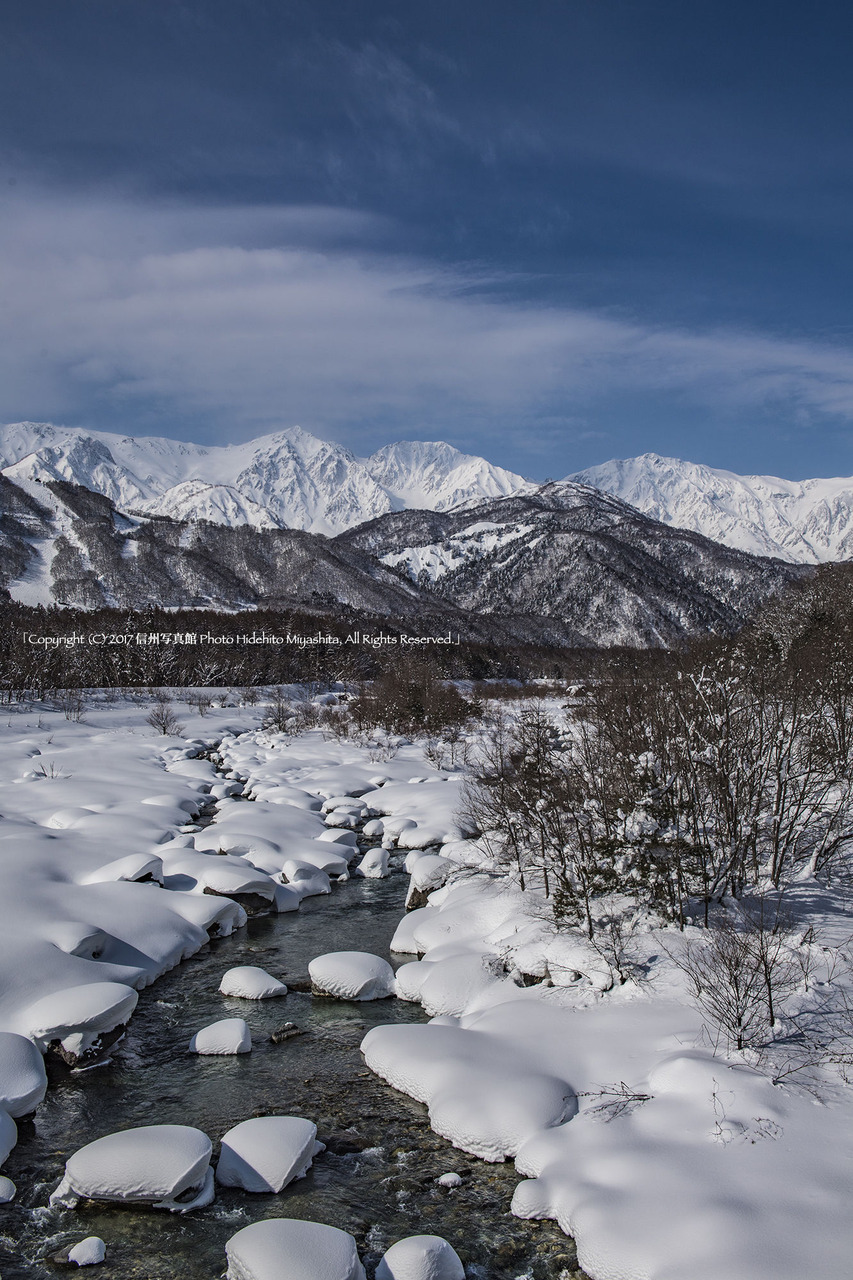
[377,1180]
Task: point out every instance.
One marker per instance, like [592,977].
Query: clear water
[380,1191]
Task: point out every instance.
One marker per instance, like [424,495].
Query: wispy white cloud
[256,317]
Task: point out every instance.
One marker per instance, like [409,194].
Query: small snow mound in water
[229,1035]
[374,864]
[449,1180]
[88,1252]
[421,1258]
[8,1190]
[352,975]
[23,1080]
[284,1249]
[249,982]
[153,1165]
[77,1016]
[266,1153]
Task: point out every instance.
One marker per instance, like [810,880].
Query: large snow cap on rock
[284,1249]
[352,975]
[77,1016]
[267,1152]
[248,982]
[421,1258]
[229,1035]
[154,1164]
[23,1081]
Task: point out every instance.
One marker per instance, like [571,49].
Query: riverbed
[377,1179]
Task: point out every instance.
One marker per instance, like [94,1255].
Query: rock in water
[155,1165]
[351,975]
[248,982]
[421,1258]
[266,1153]
[284,1249]
[229,1035]
[88,1252]
[23,1080]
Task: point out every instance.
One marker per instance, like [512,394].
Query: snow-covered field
[661,1157]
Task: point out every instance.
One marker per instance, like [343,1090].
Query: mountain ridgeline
[561,565]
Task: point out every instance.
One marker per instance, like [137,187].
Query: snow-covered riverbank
[660,1157]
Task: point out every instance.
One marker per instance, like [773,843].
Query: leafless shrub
[163,717]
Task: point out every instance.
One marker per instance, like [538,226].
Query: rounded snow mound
[284,1249]
[78,1016]
[374,864]
[421,1258]
[152,1165]
[23,1080]
[351,975]
[266,1153]
[88,1252]
[249,982]
[229,1035]
[8,1190]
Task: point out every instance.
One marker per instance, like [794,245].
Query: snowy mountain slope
[805,521]
[289,479]
[582,563]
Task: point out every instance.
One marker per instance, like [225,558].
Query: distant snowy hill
[804,521]
[290,479]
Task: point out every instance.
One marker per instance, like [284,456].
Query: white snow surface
[420,1258]
[809,521]
[704,1169]
[88,1252]
[249,982]
[23,1079]
[352,975]
[265,1153]
[287,1249]
[288,479]
[227,1036]
[153,1165]
[709,1171]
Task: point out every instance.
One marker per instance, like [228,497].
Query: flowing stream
[376,1180]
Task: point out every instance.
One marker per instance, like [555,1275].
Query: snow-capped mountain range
[804,521]
[289,479]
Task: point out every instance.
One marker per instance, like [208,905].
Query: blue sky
[552,233]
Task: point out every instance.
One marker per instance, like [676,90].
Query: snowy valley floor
[662,1159]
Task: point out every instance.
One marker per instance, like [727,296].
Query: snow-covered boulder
[229,1035]
[78,1022]
[332,861]
[8,1135]
[421,1258]
[284,1249]
[23,1080]
[88,1252]
[449,1180]
[306,880]
[286,898]
[374,864]
[134,866]
[164,1165]
[351,975]
[249,982]
[484,1099]
[266,1153]
[428,873]
[8,1190]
